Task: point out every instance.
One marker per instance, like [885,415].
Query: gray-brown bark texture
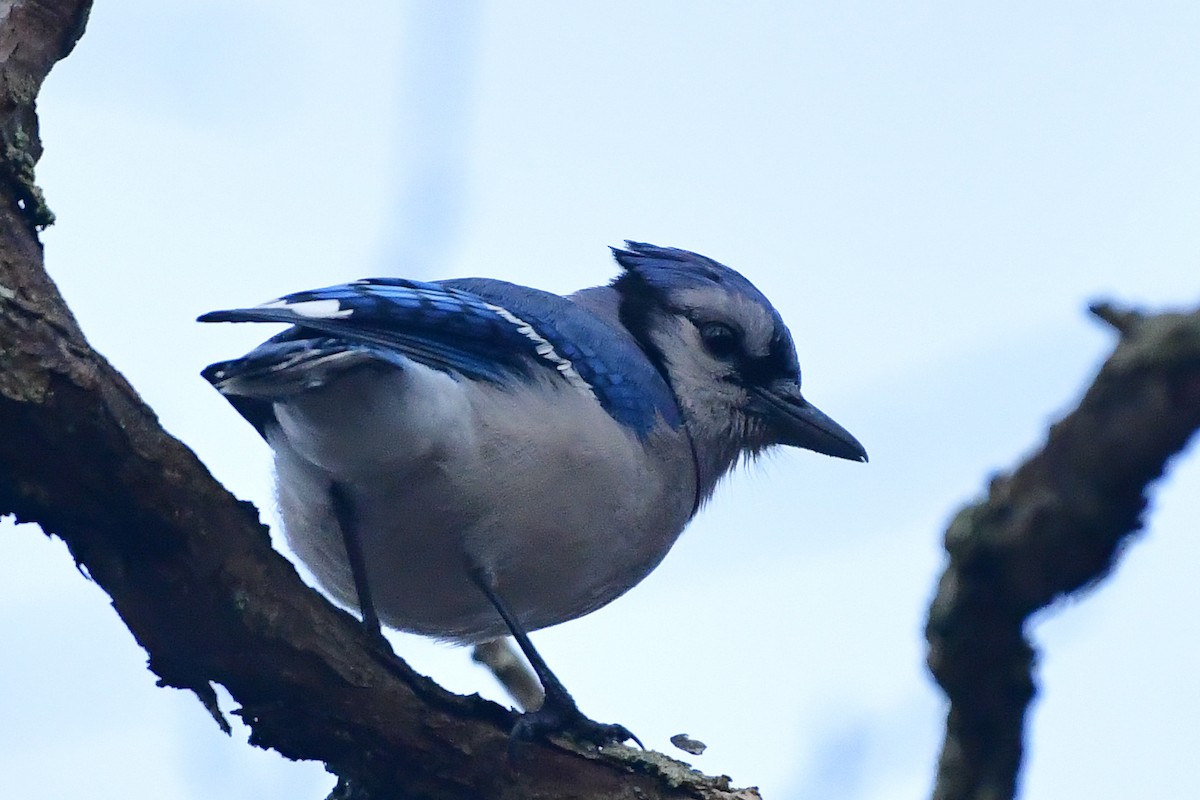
[1052,527]
[190,569]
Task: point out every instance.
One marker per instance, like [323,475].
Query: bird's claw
[567,720]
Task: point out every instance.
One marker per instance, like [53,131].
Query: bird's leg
[512,671]
[558,713]
[347,521]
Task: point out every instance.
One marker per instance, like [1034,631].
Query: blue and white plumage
[548,450]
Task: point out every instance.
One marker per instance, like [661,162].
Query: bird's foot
[377,640]
[563,717]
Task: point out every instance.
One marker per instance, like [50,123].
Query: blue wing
[479,329]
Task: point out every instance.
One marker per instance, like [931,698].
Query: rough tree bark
[1052,527]
[192,574]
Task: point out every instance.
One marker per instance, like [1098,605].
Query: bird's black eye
[720,339]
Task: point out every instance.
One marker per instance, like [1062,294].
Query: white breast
[537,484]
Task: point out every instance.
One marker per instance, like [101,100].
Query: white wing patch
[545,349]
[313,309]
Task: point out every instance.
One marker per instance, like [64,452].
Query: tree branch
[190,569]
[1052,527]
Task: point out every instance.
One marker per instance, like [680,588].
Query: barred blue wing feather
[606,357]
[479,329]
[443,328]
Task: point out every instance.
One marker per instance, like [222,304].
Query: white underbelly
[549,495]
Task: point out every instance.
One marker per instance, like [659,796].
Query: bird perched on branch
[470,458]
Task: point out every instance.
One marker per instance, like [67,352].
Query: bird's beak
[798,423]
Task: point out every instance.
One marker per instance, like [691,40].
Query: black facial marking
[779,362]
[638,302]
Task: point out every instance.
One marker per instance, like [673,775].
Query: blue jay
[471,458]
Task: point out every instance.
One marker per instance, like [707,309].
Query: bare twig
[1123,320]
[1053,526]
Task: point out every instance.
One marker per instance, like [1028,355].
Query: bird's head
[726,353]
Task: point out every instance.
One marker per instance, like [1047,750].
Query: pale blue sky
[930,193]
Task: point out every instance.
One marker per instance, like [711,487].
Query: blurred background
[930,193]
